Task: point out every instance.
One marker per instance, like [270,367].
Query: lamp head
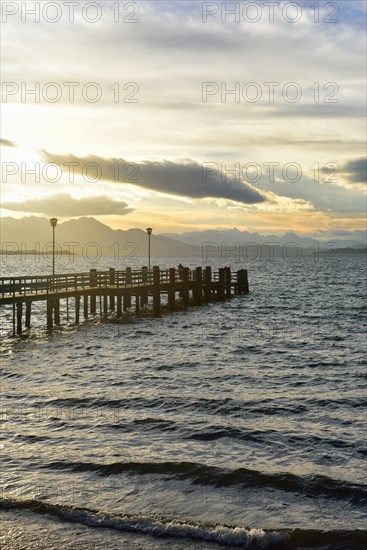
[53,222]
[149,230]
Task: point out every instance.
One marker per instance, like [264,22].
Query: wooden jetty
[117,291]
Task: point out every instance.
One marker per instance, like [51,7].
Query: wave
[214,432]
[157,527]
[224,535]
[230,407]
[201,474]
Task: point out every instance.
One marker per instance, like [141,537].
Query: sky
[186,115]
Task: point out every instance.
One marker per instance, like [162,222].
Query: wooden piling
[93,304]
[221,284]
[185,286]
[239,282]
[14,319]
[112,283]
[198,287]
[144,293]
[28,310]
[171,289]
[208,283]
[85,306]
[49,314]
[77,309]
[105,306]
[119,305]
[57,311]
[156,290]
[126,301]
[228,282]
[127,295]
[19,317]
[245,282]
[137,305]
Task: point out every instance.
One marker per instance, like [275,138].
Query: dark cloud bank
[356,170]
[175,178]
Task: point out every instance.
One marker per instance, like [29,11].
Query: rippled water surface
[234,423]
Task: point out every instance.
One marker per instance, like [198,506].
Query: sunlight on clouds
[168,56]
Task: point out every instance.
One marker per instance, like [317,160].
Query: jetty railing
[26,286]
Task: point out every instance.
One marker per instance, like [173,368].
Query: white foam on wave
[239,536]
[225,535]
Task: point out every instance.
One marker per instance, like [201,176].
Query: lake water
[236,424]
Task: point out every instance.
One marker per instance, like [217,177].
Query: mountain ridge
[87,233]
[231,237]
[77,234]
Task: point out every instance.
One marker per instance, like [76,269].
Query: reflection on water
[245,413]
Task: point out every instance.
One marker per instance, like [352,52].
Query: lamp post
[149,231]
[53,222]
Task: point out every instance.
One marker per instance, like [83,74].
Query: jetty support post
[28,309]
[119,305]
[172,289]
[85,306]
[126,300]
[92,284]
[156,290]
[144,293]
[13,318]
[57,311]
[221,284]
[245,282]
[93,304]
[49,307]
[239,282]
[77,309]
[185,286]
[208,283]
[198,286]
[242,282]
[127,294]
[105,305]
[228,281]
[19,317]
[112,283]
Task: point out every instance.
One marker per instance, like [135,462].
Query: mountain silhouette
[33,233]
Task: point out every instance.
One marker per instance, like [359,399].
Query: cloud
[356,170]
[7,143]
[66,206]
[324,191]
[184,178]
[171,121]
